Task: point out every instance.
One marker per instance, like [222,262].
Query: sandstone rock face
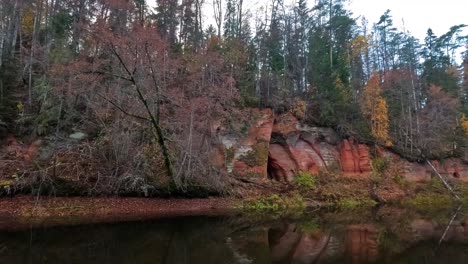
[414,172]
[454,169]
[296,148]
[282,166]
[245,156]
[280,147]
[355,159]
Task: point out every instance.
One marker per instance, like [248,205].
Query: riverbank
[27,211]
[335,193]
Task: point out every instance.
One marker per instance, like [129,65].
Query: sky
[418,15]
[415,16]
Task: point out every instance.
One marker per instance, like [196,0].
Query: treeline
[162,75]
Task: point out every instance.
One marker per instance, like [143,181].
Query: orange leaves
[464,124]
[375,110]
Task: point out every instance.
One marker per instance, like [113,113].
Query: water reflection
[385,237]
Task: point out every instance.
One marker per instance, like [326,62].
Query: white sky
[418,15]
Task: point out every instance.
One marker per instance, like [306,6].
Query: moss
[430,202]
[257,156]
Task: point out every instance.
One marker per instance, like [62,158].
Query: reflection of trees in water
[206,241]
[362,243]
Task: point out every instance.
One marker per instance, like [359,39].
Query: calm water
[383,236]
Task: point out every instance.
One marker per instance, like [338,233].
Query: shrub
[305,180]
[299,109]
[275,204]
[380,165]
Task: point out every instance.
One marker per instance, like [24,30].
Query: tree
[231,21]
[166,20]
[374,108]
[439,122]
[218,15]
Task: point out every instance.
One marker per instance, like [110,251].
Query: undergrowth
[275,204]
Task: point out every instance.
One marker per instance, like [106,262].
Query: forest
[123,94]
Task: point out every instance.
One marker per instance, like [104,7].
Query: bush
[380,165]
[305,180]
[275,204]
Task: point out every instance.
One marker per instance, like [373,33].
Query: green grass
[305,180]
[274,204]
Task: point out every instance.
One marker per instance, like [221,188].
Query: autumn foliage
[374,108]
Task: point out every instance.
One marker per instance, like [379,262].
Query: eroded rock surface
[246,155]
[280,147]
[355,158]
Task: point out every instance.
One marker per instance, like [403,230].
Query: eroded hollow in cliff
[282,164]
[300,151]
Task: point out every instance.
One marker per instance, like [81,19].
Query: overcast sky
[418,15]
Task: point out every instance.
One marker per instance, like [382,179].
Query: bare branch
[121,109]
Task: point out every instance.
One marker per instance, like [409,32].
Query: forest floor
[25,211]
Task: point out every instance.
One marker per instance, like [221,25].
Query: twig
[448,226]
[443,180]
[121,109]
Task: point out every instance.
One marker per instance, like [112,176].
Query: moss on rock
[257,156]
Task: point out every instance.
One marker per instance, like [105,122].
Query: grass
[275,204]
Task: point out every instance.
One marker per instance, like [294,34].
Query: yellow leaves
[464,124]
[27,22]
[299,109]
[379,122]
[375,109]
[358,45]
[371,92]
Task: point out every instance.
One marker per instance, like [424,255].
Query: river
[386,235]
